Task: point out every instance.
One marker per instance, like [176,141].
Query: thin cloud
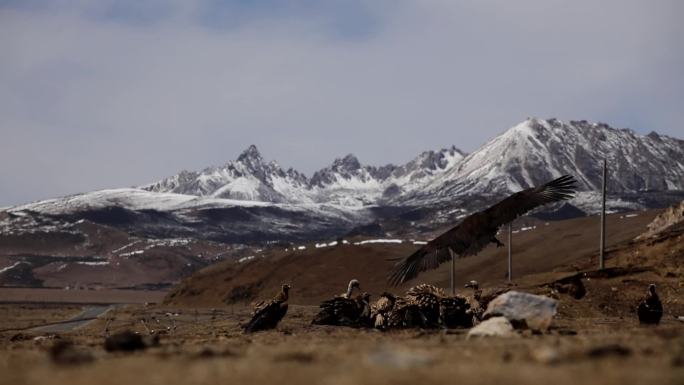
[100,94]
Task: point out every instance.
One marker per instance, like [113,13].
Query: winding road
[88,315]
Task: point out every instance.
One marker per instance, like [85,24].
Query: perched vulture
[381,310]
[476,303]
[477,292]
[455,312]
[406,314]
[267,314]
[439,309]
[650,309]
[428,299]
[344,310]
[427,306]
[481,300]
[480,228]
[363,302]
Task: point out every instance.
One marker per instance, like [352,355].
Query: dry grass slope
[317,274]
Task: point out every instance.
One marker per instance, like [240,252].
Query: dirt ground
[207,347]
[593,340]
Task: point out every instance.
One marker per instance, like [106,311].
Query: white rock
[536,310]
[493,327]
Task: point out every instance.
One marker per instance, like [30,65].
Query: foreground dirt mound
[557,248]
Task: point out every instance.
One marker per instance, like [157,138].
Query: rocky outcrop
[672,217]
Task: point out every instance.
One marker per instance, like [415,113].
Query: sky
[103,93]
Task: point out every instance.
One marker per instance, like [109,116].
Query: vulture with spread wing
[480,228]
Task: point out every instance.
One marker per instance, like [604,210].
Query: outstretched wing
[521,202]
[426,258]
[476,230]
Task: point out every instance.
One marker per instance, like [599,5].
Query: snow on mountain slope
[248,178]
[138,199]
[170,215]
[429,166]
[536,151]
[530,153]
[345,182]
[128,198]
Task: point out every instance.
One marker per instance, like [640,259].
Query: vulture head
[286,289]
[353,284]
[472,284]
[652,290]
[365,297]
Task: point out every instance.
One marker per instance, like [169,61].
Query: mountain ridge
[528,154]
[251,199]
[249,177]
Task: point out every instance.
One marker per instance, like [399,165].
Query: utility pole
[453,272]
[510,251]
[602,248]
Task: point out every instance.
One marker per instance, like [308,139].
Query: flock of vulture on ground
[423,306]
[426,305]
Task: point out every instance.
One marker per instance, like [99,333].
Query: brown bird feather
[650,309]
[381,309]
[267,314]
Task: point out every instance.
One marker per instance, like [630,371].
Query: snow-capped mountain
[536,151]
[248,178]
[345,182]
[249,198]
[528,154]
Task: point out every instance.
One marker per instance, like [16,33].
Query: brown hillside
[317,274]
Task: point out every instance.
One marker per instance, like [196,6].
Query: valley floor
[206,346]
[593,340]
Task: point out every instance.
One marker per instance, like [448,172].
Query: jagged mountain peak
[246,178]
[347,163]
[250,154]
[434,160]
